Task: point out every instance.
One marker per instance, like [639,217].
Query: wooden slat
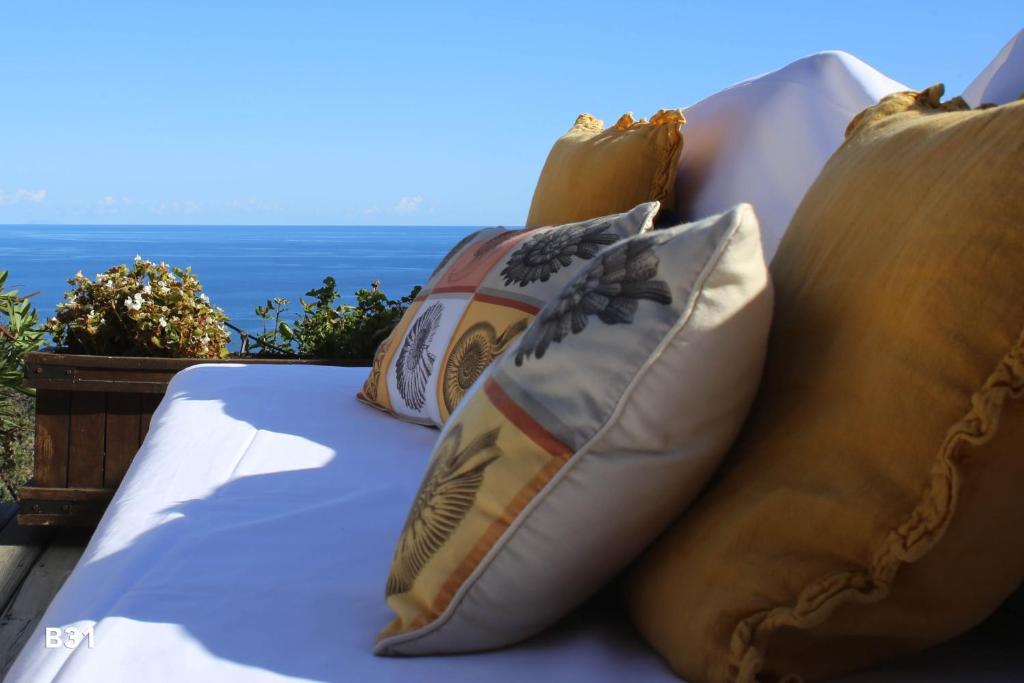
[37,358]
[74,360]
[62,507]
[114,385]
[7,512]
[56,371]
[66,494]
[51,465]
[77,520]
[147,406]
[19,548]
[87,442]
[23,613]
[122,436]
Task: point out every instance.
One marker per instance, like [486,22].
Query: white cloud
[252,205]
[110,204]
[22,195]
[409,204]
[186,206]
[34,196]
[404,205]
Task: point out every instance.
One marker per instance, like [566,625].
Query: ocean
[240,267]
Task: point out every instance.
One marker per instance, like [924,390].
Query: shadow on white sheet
[251,539]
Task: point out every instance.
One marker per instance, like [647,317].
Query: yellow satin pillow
[872,505]
[593,171]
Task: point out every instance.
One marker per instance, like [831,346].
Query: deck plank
[7,512]
[24,611]
[20,547]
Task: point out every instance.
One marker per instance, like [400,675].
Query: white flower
[100,277]
[204,298]
[148,289]
[53,320]
[79,275]
[163,322]
[137,258]
[133,303]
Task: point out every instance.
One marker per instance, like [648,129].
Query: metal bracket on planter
[51,372]
[63,507]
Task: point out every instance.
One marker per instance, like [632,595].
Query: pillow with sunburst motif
[595,428]
[482,295]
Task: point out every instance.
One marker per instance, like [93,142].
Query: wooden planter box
[92,413]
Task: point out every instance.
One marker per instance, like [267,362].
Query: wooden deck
[34,563]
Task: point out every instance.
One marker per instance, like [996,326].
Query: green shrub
[276,337]
[327,329]
[20,334]
[17,437]
[145,309]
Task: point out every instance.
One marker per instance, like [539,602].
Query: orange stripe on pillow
[489,538]
[508,303]
[455,289]
[524,421]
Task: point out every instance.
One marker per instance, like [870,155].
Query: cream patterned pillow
[481,296]
[595,429]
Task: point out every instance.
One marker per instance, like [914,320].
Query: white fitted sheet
[251,538]
[250,541]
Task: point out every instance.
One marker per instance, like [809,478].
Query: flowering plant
[142,309]
[326,328]
[329,330]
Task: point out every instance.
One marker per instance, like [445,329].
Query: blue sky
[406,113]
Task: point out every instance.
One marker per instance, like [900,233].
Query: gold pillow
[872,506]
[592,171]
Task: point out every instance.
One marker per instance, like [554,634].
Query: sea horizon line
[242,225]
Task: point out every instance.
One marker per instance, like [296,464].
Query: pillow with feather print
[595,428]
[482,295]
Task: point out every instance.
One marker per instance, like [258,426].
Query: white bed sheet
[250,541]
[251,537]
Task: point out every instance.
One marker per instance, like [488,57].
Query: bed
[251,537]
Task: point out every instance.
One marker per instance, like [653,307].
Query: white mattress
[251,538]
